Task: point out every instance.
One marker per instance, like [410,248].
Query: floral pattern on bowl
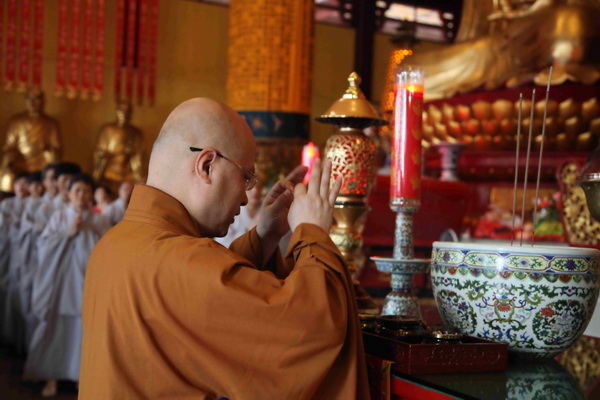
[539,300]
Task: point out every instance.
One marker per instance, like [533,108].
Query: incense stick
[539,172]
[514,208]
[527,166]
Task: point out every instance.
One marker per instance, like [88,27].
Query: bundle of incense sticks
[537,184]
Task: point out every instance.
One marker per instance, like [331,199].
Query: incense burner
[538,300]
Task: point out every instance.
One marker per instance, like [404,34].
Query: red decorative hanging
[119,46]
[152,51]
[38,41]
[1,31]
[86,65]
[23,76]
[80,54]
[74,59]
[142,50]
[99,55]
[11,45]
[61,56]
[131,47]
[135,49]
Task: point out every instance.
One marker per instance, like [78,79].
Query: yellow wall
[192,61]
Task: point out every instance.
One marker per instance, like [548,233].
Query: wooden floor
[12,388]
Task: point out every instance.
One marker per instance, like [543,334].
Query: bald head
[199,122]
[202,123]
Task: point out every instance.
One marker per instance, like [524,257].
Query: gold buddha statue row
[32,140]
[570,125]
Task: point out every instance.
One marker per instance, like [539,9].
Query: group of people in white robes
[47,232]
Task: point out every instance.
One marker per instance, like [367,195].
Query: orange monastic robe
[168,314]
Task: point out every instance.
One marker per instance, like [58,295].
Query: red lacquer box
[471,355]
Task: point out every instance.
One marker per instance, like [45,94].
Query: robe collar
[153,206]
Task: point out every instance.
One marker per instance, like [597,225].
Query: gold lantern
[352,154]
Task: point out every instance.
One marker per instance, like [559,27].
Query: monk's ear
[203,164]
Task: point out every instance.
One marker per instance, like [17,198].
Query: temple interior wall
[191,62]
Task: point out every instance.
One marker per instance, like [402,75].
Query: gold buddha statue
[511,42]
[118,155]
[32,140]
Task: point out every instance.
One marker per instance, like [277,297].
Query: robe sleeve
[241,324]
[53,246]
[249,247]
[27,233]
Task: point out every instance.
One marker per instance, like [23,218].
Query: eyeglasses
[251,178]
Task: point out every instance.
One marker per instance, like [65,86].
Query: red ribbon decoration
[99,56]
[86,66]
[152,51]
[38,42]
[142,48]
[135,49]
[11,45]
[119,46]
[1,30]
[23,77]
[61,57]
[130,60]
[73,83]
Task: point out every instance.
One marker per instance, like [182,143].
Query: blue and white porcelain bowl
[538,300]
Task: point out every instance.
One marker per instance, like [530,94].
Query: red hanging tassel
[38,41]
[99,58]
[1,30]
[11,45]
[153,27]
[61,57]
[86,65]
[130,58]
[74,59]
[23,77]
[142,48]
[119,46]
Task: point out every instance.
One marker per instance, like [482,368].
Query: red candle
[405,191]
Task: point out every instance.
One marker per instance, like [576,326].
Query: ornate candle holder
[449,159]
[405,195]
[352,154]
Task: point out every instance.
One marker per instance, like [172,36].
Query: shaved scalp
[198,122]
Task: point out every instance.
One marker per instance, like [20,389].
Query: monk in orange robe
[169,313]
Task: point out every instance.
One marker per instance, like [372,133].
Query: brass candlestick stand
[352,154]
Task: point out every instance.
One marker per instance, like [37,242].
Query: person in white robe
[28,237]
[49,181]
[63,173]
[103,196]
[65,245]
[11,325]
[115,211]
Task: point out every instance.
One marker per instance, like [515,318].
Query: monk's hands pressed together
[314,205]
[273,223]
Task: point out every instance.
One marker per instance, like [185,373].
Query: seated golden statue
[522,40]
[118,155]
[32,141]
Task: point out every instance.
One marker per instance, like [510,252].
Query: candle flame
[414,87]
[310,153]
